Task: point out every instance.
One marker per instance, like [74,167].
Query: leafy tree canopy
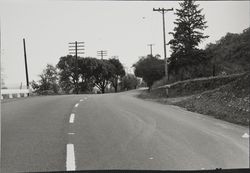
[187,35]
[118,72]
[150,69]
[48,83]
[90,73]
[67,73]
[231,54]
[129,81]
[102,74]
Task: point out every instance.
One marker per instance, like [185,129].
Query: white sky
[122,28]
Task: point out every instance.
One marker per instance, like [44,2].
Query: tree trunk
[149,89]
[103,89]
[115,84]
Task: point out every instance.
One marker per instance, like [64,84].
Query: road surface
[114,131]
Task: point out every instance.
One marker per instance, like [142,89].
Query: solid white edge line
[70,158]
[72,118]
[77,104]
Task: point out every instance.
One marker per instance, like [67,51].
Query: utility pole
[26,66]
[102,53]
[151,49]
[77,48]
[163,11]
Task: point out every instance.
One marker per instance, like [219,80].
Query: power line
[163,11]
[78,49]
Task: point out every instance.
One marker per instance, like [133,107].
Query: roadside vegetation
[213,81]
[229,102]
[224,97]
[187,60]
[92,76]
[150,69]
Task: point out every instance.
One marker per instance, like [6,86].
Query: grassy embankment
[224,97]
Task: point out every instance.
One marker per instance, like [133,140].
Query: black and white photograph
[125,86]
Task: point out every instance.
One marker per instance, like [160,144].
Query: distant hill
[231,54]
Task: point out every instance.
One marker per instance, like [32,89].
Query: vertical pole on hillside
[26,66]
[163,11]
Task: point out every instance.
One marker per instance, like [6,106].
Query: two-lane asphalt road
[114,131]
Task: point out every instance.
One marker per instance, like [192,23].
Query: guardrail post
[167,92]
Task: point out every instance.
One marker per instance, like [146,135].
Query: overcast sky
[122,28]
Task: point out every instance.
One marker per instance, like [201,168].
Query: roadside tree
[150,69]
[187,35]
[129,81]
[118,72]
[102,74]
[48,83]
[67,73]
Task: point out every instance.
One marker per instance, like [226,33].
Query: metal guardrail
[11,93]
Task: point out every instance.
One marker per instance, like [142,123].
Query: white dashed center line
[77,104]
[72,118]
[81,100]
[85,98]
[70,158]
[71,133]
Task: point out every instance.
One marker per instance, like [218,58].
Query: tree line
[90,73]
[230,54]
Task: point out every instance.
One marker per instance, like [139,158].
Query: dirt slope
[230,102]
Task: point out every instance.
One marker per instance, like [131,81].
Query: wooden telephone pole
[151,49]
[26,66]
[102,53]
[77,48]
[163,11]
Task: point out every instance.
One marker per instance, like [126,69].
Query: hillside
[231,54]
[223,97]
[194,86]
[230,102]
